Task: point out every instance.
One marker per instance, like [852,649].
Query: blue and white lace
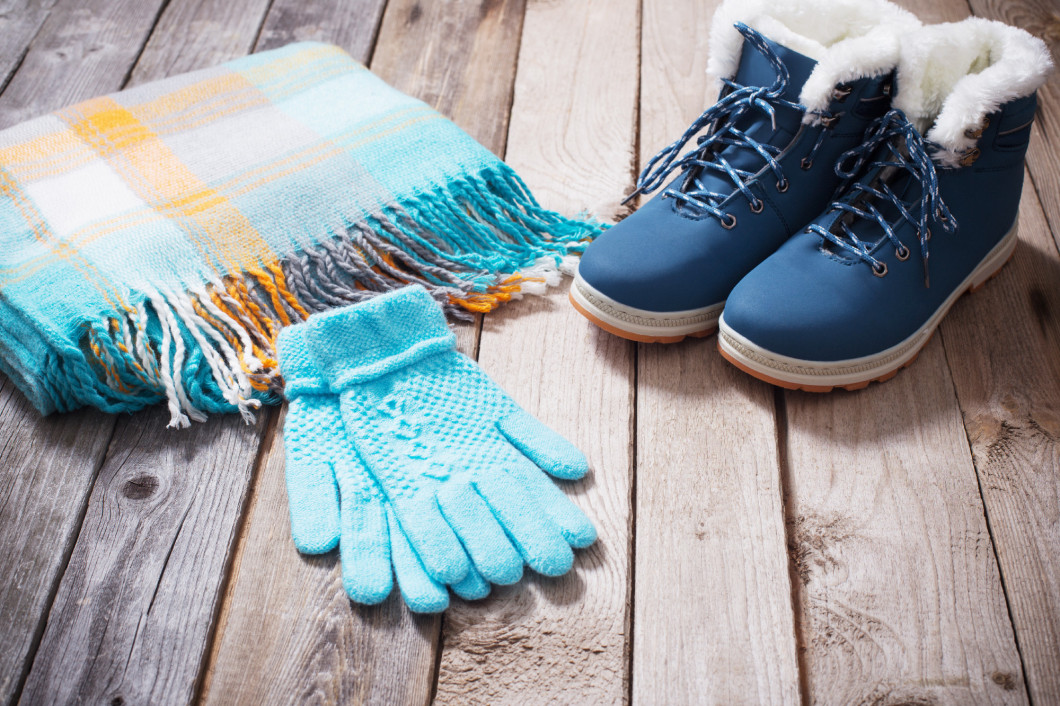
[724,116]
[902,149]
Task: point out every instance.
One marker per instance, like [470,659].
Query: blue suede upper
[668,257]
[813,301]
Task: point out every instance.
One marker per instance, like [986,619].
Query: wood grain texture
[1002,343]
[563,640]
[470,48]
[351,24]
[287,616]
[47,466]
[133,613]
[20,20]
[197,34]
[901,601]
[1042,19]
[713,619]
[83,49]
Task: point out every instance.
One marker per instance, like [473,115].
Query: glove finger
[577,529]
[433,539]
[491,551]
[313,500]
[364,549]
[534,533]
[422,593]
[473,587]
[547,449]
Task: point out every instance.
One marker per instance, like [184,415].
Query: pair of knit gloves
[402,452]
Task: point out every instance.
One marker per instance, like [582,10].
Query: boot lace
[705,156]
[903,150]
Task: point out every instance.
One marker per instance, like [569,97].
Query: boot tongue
[755,70]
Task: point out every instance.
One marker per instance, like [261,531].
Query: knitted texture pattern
[459,463]
[333,499]
[153,242]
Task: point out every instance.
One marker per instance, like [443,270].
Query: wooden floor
[898,545]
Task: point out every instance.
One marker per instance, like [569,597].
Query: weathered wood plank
[1002,345]
[156,595]
[132,616]
[47,466]
[20,20]
[196,34]
[710,515]
[899,588]
[351,24]
[288,632]
[563,640]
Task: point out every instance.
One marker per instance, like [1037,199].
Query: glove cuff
[300,372]
[365,341]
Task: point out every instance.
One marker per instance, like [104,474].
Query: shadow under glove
[334,501]
[458,461]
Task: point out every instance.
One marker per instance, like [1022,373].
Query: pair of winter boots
[859,172]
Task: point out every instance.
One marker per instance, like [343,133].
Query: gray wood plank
[20,20]
[288,633]
[115,578]
[351,24]
[132,617]
[710,516]
[1001,344]
[47,466]
[573,125]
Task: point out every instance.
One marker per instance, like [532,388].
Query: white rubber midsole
[640,321]
[857,370]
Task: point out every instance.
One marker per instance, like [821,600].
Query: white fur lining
[953,75]
[849,39]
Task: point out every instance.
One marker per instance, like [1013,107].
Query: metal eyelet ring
[728,221]
[927,235]
[830,121]
[782,186]
[880,271]
[970,156]
[902,253]
[806,163]
[757,205]
[940,216]
[840,93]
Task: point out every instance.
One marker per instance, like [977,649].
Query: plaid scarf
[154,242]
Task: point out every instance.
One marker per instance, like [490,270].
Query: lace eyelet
[782,186]
[970,156]
[880,271]
[940,216]
[806,163]
[830,121]
[840,93]
[902,253]
[978,132]
[728,221]
[927,235]
[757,205]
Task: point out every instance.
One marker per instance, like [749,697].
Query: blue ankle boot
[761,170]
[926,215]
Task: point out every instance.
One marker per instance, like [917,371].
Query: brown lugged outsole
[636,336]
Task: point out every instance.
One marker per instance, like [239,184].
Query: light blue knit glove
[459,462]
[333,500]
